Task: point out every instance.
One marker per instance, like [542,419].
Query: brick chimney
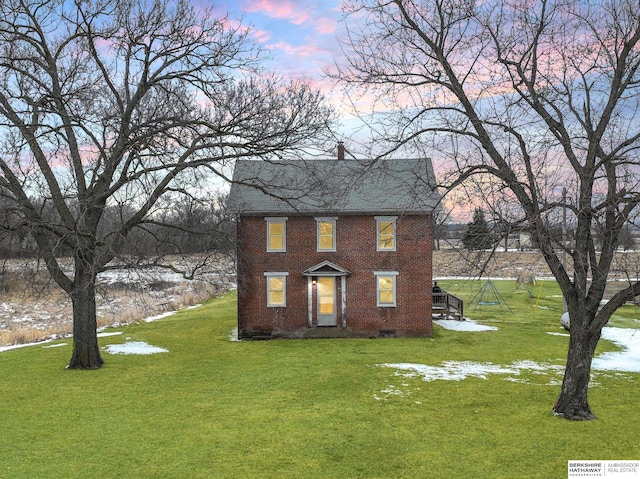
[340,150]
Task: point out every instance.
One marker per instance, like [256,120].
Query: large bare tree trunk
[86,353]
[573,400]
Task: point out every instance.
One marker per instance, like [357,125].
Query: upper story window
[326,236]
[276,289]
[386,288]
[276,234]
[386,233]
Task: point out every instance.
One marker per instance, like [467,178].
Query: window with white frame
[276,289]
[386,288]
[386,233]
[276,234]
[326,234]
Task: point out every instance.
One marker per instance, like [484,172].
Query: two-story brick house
[334,248]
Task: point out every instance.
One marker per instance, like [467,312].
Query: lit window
[386,233]
[276,234]
[276,289]
[326,228]
[386,288]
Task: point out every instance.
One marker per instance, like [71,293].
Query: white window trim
[283,221]
[393,220]
[393,275]
[326,220]
[282,275]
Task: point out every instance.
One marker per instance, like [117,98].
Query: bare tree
[527,98]
[121,103]
[440,219]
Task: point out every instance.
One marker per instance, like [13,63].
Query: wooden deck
[447,305]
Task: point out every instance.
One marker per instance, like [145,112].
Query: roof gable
[338,186]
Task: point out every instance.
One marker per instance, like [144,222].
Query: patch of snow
[105,335]
[450,370]
[159,316]
[126,276]
[459,370]
[195,306]
[233,335]
[54,345]
[627,360]
[466,325]
[134,347]
[18,346]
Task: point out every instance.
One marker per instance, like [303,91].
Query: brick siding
[355,252]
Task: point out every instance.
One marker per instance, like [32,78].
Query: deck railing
[447,304]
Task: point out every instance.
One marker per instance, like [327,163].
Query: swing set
[489,295]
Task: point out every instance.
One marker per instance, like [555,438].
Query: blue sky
[300,34]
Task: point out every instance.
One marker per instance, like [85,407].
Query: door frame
[326,268]
[327,320]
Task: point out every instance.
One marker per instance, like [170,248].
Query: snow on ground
[233,335]
[127,348]
[625,360]
[450,370]
[150,319]
[166,314]
[135,276]
[17,346]
[466,325]
[134,347]
[106,335]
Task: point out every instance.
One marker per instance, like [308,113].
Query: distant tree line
[182,224]
[482,234]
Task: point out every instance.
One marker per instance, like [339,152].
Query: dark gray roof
[333,186]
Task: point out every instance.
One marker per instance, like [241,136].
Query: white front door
[326,293]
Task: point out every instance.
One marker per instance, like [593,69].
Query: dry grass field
[34,308]
[511,264]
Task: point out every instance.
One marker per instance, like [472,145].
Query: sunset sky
[300,34]
[302,37]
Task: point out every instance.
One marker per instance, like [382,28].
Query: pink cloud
[295,12]
[283,9]
[261,36]
[326,25]
[307,50]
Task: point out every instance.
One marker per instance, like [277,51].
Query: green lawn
[212,408]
